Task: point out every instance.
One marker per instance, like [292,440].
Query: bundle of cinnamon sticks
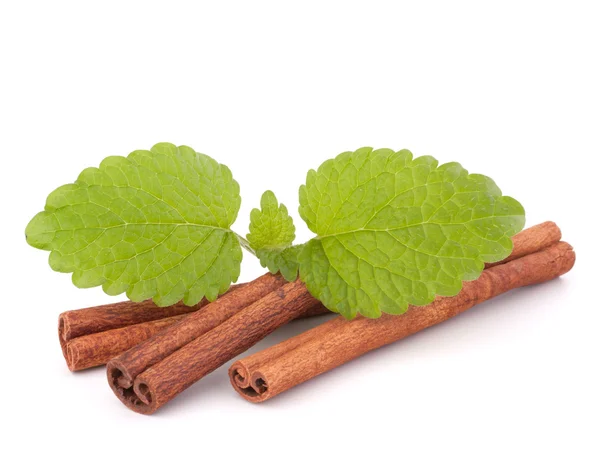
[154,353]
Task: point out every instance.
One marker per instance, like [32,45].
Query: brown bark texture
[272,371]
[155,371]
[97,319]
[93,350]
[92,336]
[151,374]
[162,344]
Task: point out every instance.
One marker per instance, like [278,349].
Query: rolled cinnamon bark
[92,336]
[152,373]
[316,309]
[83,349]
[88,321]
[97,349]
[134,361]
[163,381]
[89,351]
[267,373]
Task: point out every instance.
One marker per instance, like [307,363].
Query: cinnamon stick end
[136,397]
[62,333]
[252,387]
[70,357]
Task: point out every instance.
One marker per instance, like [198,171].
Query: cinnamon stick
[92,336]
[164,380]
[152,373]
[87,321]
[89,350]
[134,361]
[267,373]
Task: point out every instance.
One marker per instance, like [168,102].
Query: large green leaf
[271,234]
[393,230]
[155,224]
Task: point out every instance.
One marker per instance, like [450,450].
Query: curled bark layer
[154,372]
[93,350]
[92,336]
[82,351]
[274,370]
[98,319]
[135,360]
[164,375]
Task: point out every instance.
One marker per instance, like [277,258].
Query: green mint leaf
[393,230]
[283,261]
[155,224]
[271,234]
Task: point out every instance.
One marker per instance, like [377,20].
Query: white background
[273,89]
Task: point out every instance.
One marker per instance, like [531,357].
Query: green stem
[245,244]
